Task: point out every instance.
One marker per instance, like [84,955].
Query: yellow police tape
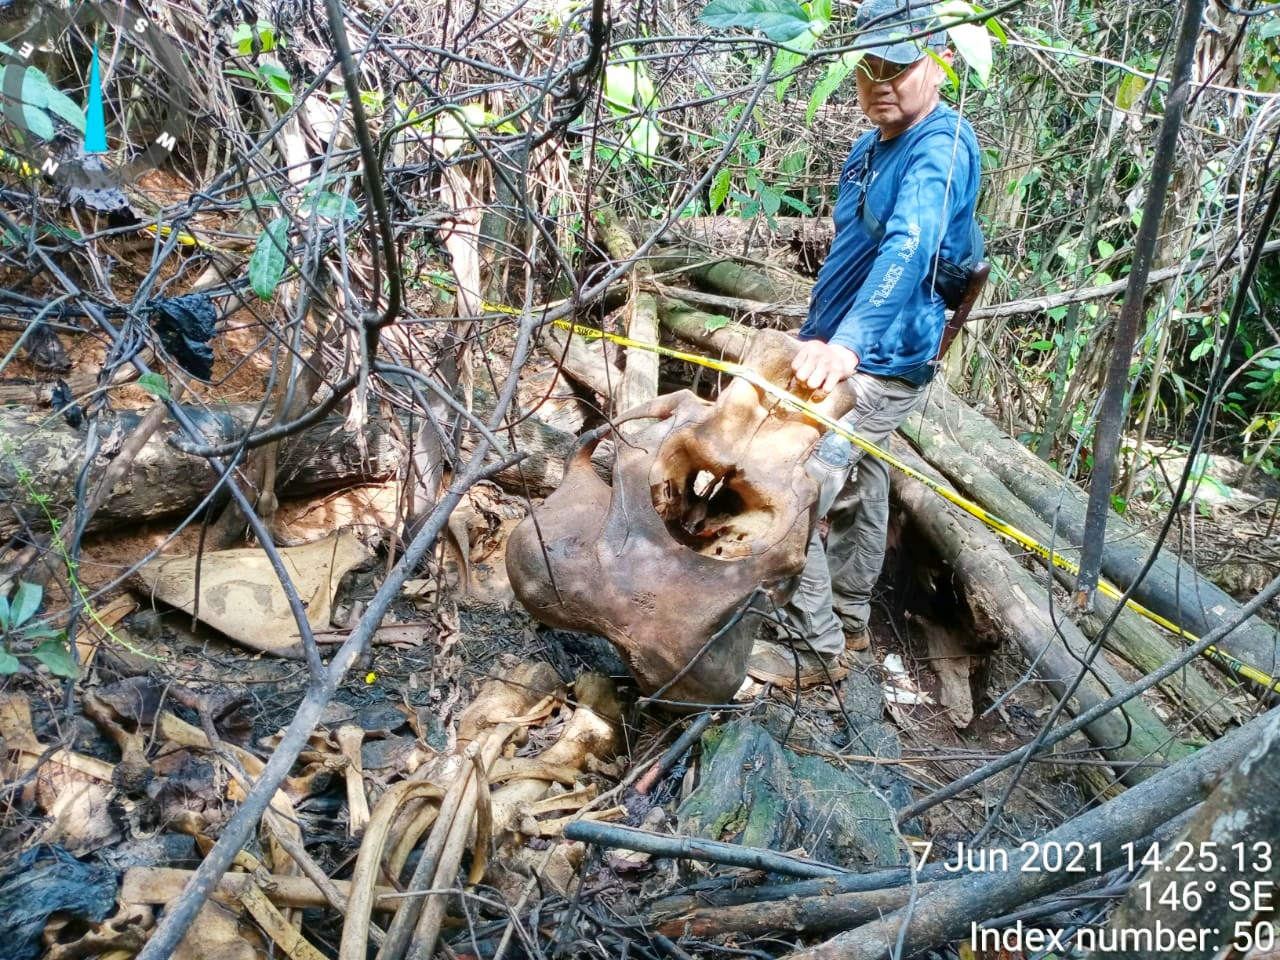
[1211,652]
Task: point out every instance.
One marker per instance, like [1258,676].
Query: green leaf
[719,189]
[277,81]
[790,58]
[268,199]
[1129,91]
[797,205]
[713,324]
[26,601]
[266,265]
[643,140]
[1040,345]
[793,162]
[8,663]
[330,206]
[156,385]
[770,200]
[620,88]
[4,613]
[55,655]
[35,99]
[54,100]
[779,20]
[971,40]
[242,36]
[836,74]
[1105,249]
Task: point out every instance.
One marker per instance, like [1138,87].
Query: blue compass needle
[95,126]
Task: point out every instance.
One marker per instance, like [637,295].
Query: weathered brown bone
[709,502]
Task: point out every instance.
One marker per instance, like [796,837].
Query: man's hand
[821,366]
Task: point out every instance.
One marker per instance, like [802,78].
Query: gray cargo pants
[837,584]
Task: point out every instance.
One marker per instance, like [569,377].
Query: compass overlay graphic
[135,71]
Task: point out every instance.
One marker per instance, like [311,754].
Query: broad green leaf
[974,44]
[52,99]
[643,140]
[156,385]
[770,200]
[836,74]
[4,613]
[268,199]
[35,100]
[971,40]
[645,92]
[779,20]
[26,601]
[712,324]
[242,36]
[277,81]
[8,663]
[790,58]
[331,206]
[55,655]
[1129,91]
[793,162]
[1105,249]
[719,189]
[1040,345]
[620,87]
[799,206]
[266,265]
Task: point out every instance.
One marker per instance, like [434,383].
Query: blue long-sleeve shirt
[877,298]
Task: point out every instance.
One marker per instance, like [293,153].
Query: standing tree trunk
[1114,397]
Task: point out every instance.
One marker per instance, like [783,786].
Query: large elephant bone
[709,503]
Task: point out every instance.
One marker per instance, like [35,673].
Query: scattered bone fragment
[349,737]
[241,596]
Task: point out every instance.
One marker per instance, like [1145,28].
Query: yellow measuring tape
[1007,530]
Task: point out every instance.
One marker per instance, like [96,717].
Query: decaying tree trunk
[1225,860]
[947,912]
[1139,642]
[43,456]
[640,377]
[1000,592]
[1173,587]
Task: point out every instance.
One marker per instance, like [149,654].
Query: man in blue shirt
[906,202]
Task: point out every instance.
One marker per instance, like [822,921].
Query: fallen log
[1234,890]
[1001,593]
[709,331]
[761,281]
[946,913]
[812,914]
[1173,587]
[640,376]
[43,456]
[1138,641]
[697,848]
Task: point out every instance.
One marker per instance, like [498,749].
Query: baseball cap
[886,22]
